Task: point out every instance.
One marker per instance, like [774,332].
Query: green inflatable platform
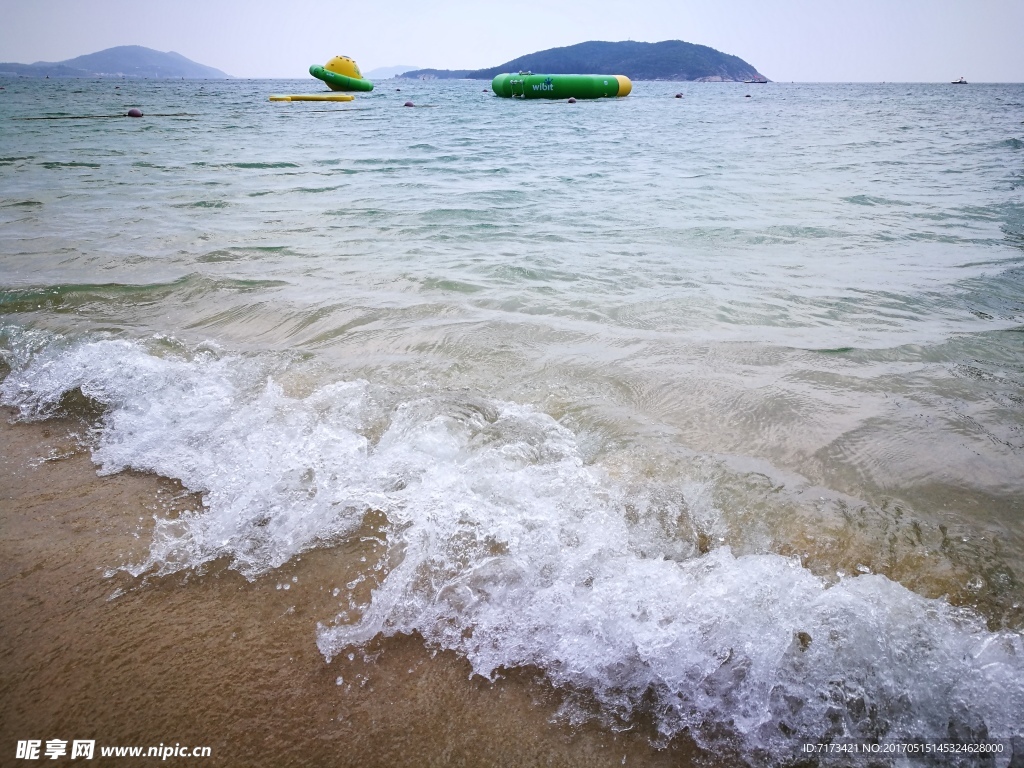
[526,85]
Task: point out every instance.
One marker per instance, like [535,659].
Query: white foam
[506,547]
[274,471]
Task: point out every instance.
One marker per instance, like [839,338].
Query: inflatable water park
[526,85]
[341,75]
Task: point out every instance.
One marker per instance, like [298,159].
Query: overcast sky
[803,40]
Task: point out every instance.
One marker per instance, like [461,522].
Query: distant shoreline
[408,80]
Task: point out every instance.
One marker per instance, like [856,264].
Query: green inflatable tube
[527,85]
[338,82]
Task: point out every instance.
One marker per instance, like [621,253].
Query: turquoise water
[644,388]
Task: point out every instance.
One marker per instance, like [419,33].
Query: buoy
[341,74]
[679,95]
[572,100]
[526,85]
[134,112]
[408,104]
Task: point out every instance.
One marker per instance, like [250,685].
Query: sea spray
[505,545]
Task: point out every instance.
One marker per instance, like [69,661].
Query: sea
[699,413]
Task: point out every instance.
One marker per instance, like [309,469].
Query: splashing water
[504,544]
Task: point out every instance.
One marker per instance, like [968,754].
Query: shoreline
[213,660]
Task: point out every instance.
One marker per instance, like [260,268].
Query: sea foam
[504,545]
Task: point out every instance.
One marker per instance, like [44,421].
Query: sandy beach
[213,660]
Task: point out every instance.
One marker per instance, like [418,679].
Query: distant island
[121,61]
[383,73]
[667,60]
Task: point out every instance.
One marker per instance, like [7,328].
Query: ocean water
[710,409]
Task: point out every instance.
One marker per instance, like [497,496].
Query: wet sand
[213,660]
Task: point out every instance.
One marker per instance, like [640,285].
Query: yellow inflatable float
[340,74]
[314,97]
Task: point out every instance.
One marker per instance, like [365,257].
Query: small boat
[961,81]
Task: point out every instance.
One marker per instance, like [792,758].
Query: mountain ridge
[133,61]
[665,60]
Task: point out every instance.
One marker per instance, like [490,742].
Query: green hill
[667,60]
[122,61]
